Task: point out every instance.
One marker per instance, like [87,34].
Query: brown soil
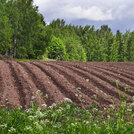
[83,82]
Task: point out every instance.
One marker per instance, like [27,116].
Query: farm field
[84,83]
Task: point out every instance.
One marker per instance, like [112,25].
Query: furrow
[18,84]
[58,80]
[102,85]
[1,86]
[10,95]
[40,80]
[110,78]
[1,82]
[118,69]
[80,82]
[124,84]
[120,74]
[29,86]
[127,65]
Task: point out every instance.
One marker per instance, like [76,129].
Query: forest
[25,34]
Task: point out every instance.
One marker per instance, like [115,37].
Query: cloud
[91,13]
[98,10]
[112,11]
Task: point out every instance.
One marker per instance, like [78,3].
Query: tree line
[24,34]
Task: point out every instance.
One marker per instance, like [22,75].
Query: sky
[117,14]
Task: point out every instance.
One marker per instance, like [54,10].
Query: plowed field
[82,82]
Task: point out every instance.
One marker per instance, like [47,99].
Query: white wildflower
[38,93]
[80,96]
[72,124]
[44,106]
[61,108]
[112,106]
[87,80]
[38,126]
[39,114]
[97,91]
[28,110]
[43,123]
[105,94]
[76,95]
[46,96]
[19,107]
[95,96]
[33,98]
[108,116]
[87,122]
[95,109]
[68,106]
[67,100]
[32,117]
[79,88]
[59,111]
[3,126]
[12,130]
[129,123]
[52,106]
[105,108]
[29,128]
[46,121]
[129,110]
[132,104]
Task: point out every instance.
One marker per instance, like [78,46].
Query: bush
[56,49]
[22,52]
[75,50]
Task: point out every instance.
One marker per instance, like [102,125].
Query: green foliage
[69,119]
[24,34]
[74,50]
[27,29]
[21,52]
[5,31]
[56,49]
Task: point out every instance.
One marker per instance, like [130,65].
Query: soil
[84,83]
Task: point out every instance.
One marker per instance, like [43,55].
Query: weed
[68,118]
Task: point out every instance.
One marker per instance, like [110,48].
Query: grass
[66,118]
[44,59]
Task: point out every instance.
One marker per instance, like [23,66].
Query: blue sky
[118,14]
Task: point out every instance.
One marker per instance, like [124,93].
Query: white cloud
[92,10]
[92,13]
[97,10]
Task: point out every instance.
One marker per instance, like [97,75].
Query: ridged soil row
[59,81]
[126,65]
[18,83]
[123,75]
[121,70]
[108,76]
[82,83]
[28,85]
[2,86]
[24,82]
[9,93]
[125,84]
[127,80]
[101,84]
[42,82]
